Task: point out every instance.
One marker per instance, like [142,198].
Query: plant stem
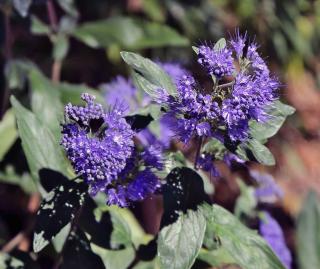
[226,85]
[52,15]
[56,66]
[7,56]
[198,153]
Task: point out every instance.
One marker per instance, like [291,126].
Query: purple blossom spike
[273,234]
[267,189]
[238,43]
[216,62]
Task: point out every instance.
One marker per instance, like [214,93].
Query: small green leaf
[277,115]
[255,148]
[246,202]
[143,84]
[39,145]
[121,234]
[8,132]
[220,44]
[308,233]
[261,152]
[69,7]
[179,243]
[115,259]
[17,71]
[153,73]
[38,27]
[10,262]
[238,243]
[214,147]
[195,49]
[60,47]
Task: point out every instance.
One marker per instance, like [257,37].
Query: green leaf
[128,33]
[308,233]
[220,44]
[214,147]
[39,145]
[38,27]
[69,7]
[195,49]
[45,102]
[115,259]
[216,257]
[17,71]
[22,6]
[60,47]
[8,132]
[121,234]
[58,208]
[143,84]
[24,181]
[238,243]
[153,73]
[10,262]
[258,151]
[278,113]
[70,93]
[261,152]
[179,243]
[246,202]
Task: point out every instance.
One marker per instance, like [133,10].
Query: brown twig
[52,15]
[198,153]
[33,206]
[56,66]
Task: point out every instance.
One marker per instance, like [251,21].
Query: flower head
[228,108]
[100,147]
[217,62]
[267,189]
[272,233]
[238,43]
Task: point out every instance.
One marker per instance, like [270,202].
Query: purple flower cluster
[191,112]
[267,190]
[100,147]
[230,106]
[273,234]
[122,91]
[217,62]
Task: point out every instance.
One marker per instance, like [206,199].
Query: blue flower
[272,233]
[229,107]
[267,189]
[217,62]
[100,147]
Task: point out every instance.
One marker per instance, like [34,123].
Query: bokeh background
[79,43]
